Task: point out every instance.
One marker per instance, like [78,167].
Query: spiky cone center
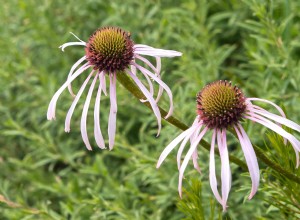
[220,105]
[109,49]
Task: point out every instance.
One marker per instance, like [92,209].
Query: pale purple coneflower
[220,106]
[110,51]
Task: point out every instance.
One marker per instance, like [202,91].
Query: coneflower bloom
[220,106]
[108,52]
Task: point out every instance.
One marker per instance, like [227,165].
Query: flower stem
[275,166]
[132,88]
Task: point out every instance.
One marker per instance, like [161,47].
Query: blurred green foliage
[48,174]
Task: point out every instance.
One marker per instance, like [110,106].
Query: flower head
[110,51]
[221,106]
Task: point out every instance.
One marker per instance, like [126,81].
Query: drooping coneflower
[110,51]
[220,106]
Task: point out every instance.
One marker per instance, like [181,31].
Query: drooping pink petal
[146,62]
[158,65]
[141,46]
[173,144]
[269,124]
[160,90]
[195,160]
[225,168]
[52,104]
[71,72]
[97,130]
[103,82]
[160,82]
[250,157]
[146,76]
[150,51]
[149,98]
[212,169]
[196,133]
[186,139]
[295,143]
[192,139]
[151,90]
[71,109]
[278,119]
[133,68]
[251,107]
[187,158]
[113,111]
[84,115]
[269,102]
[62,47]
[158,68]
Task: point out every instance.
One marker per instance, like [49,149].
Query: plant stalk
[128,83]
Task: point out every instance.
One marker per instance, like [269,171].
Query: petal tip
[253,192]
[180,194]
[50,117]
[167,116]
[224,205]
[158,132]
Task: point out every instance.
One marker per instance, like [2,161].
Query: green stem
[275,166]
[132,88]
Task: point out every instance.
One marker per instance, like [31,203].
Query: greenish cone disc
[220,105]
[109,49]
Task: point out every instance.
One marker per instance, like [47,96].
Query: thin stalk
[133,89]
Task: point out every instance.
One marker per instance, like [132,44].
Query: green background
[46,173]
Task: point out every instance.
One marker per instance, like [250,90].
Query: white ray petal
[225,168]
[151,89]
[113,111]
[84,115]
[295,143]
[160,82]
[149,98]
[158,68]
[71,72]
[62,47]
[186,139]
[71,109]
[250,157]
[187,158]
[150,51]
[103,82]
[269,102]
[146,62]
[52,104]
[212,169]
[278,119]
[173,144]
[97,130]
[195,160]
